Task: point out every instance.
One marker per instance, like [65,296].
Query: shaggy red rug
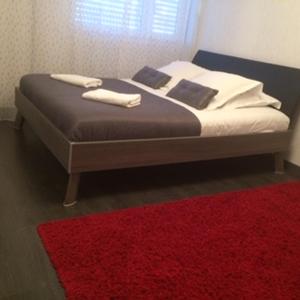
[237,245]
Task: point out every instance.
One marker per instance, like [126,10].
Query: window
[151,16]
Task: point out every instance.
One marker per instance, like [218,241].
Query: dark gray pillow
[151,77]
[193,94]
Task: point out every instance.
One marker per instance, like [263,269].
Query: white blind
[154,16]
[165,16]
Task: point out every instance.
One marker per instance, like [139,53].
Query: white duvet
[223,122]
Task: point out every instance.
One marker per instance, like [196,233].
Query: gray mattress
[83,120]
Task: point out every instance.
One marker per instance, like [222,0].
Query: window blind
[154,16]
[165,16]
[107,13]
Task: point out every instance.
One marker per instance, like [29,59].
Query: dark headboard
[280,82]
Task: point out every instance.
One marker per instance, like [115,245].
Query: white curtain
[91,37]
[15,49]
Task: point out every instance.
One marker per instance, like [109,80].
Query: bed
[84,146]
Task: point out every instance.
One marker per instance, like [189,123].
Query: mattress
[157,117]
[227,122]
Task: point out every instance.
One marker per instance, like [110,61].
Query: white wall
[266,30]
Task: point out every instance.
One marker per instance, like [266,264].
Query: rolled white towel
[110,97]
[79,80]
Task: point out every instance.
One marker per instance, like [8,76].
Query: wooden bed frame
[77,157]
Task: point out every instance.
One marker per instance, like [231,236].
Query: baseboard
[292,168]
[7,113]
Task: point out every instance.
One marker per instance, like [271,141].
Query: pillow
[181,70]
[252,99]
[228,85]
[192,94]
[151,77]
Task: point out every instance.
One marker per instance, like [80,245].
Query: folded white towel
[79,80]
[106,96]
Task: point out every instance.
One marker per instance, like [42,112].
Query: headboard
[280,82]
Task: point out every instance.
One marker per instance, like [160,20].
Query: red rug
[237,245]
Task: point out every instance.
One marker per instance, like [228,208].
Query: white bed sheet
[221,122]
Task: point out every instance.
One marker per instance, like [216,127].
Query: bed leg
[19,121]
[72,190]
[279,163]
